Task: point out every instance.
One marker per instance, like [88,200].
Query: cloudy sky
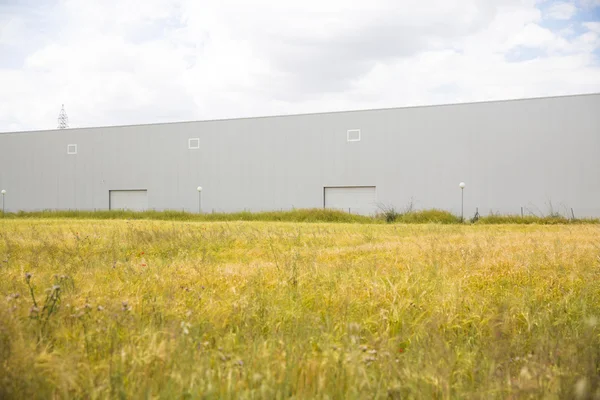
[114,62]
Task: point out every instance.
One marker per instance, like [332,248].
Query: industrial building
[534,154]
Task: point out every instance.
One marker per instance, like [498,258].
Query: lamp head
[461,185]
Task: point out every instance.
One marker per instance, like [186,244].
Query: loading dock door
[132,200]
[356,199]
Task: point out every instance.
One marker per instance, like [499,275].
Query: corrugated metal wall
[526,153]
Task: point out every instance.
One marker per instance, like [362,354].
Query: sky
[119,62]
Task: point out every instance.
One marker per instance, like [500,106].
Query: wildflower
[525,374]
[125,306]
[87,307]
[591,321]
[33,310]
[400,350]
[239,363]
[185,327]
[56,288]
[582,388]
[100,308]
[143,265]
[28,276]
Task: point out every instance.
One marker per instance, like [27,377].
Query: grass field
[171,309]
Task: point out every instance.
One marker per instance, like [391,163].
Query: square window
[353,135]
[71,149]
[193,143]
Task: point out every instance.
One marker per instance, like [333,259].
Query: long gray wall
[510,154]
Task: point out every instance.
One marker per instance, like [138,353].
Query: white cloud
[593,26]
[11,30]
[532,35]
[590,3]
[132,61]
[561,11]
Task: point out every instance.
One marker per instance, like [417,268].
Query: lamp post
[3,194]
[462,200]
[199,189]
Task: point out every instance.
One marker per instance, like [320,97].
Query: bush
[388,213]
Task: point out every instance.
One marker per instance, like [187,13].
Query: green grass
[170,309]
[428,216]
[300,215]
[531,219]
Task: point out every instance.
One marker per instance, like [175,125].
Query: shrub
[388,213]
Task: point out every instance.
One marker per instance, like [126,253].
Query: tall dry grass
[140,309]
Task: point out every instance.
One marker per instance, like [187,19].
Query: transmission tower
[63,119]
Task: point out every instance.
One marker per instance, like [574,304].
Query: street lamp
[199,189]
[462,200]
[3,192]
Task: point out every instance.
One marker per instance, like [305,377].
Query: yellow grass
[151,309]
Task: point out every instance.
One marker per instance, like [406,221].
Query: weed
[49,307]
